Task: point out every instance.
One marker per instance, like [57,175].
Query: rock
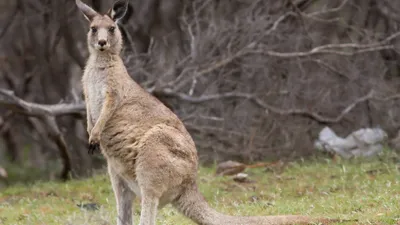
[3,172]
[242,178]
[361,143]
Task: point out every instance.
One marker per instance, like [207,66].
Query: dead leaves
[236,169]
[229,168]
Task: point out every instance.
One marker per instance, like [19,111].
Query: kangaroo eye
[111,29]
[94,29]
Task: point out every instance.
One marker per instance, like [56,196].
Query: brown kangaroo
[149,152]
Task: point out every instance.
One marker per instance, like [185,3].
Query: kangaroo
[149,152]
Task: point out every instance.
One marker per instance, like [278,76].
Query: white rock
[365,142]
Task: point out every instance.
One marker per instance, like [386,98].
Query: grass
[368,191]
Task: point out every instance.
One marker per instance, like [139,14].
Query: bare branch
[10,20]
[388,98]
[191,99]
[47,114]
[316,116]
[386,9]
[178,83]
[324,64]
[329,49]
[181,81]
[314,15]
[273,109]
[346,49]
[9,100]
[278,21]
[58,138]
[340,7]
[201,99]
[320,50]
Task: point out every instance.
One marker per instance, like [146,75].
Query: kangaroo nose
[102,43]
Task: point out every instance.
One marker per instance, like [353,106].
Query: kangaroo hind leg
[149,204]
[123,196]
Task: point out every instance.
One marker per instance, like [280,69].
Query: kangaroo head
[104,34]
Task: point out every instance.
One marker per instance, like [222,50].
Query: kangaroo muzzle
[102,43]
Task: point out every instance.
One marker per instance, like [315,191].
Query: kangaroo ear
[88,12]
[119,10]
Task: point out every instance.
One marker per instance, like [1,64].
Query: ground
[363,190]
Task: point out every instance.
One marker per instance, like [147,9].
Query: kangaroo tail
[193,205]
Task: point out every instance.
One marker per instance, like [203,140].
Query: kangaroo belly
[96,93]
[97,96]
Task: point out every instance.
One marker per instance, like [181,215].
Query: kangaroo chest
[95,85]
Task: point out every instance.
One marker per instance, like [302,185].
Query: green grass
[368,191]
